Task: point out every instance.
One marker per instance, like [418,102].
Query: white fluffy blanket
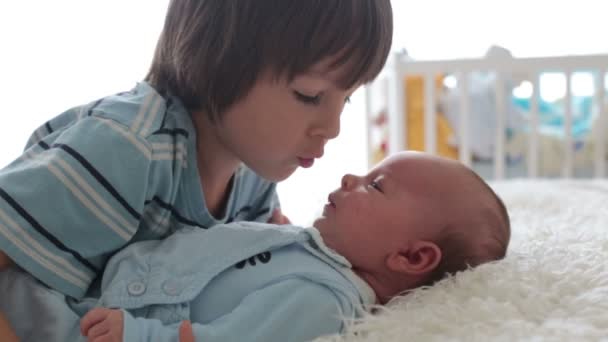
[553,285]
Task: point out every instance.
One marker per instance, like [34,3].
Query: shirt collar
[319,248]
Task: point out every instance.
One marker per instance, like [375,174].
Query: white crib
[399,66]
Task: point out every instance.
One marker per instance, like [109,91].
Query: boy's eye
[375,185]
[347,99]
[314,100]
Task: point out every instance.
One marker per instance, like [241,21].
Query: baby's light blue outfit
[236,282]
[106,174]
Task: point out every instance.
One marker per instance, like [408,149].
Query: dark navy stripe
[104,182]
[32,221]
[241,210]
[175,213]
[175,131]
[168,104]
[48,127]
[43,145]
[262,212]
[90,112]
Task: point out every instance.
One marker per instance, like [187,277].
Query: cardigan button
[136,288]
[171,288]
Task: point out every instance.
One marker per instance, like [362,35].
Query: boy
[239,95]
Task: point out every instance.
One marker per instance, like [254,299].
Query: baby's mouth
[331,201]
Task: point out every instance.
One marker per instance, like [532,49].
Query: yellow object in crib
[414,123]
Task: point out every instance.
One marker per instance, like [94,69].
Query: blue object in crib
[552,115]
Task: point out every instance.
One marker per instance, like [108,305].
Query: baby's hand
[185,332]
[101,324]
[278,217]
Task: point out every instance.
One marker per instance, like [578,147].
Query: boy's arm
[5,261]
[293,309]
[6,332]
[69,203]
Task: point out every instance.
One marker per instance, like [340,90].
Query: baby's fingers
[185,332]
[92,318]
[100,332]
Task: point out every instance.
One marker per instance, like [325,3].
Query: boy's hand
[8,335]
[101,324]
[278,217]
[5,261]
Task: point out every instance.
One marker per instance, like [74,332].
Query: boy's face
[402,200]
[280,125]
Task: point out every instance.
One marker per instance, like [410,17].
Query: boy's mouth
[306,162]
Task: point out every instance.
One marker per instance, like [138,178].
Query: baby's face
[404,199]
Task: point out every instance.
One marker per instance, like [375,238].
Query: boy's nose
[328,126]
[332,128]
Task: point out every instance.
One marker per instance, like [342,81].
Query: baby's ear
[421,257]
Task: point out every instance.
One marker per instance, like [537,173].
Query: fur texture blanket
[553,284]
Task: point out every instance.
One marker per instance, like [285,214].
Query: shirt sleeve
[288,310]
[71,200]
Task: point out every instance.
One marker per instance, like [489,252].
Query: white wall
[436,29]
[58,54]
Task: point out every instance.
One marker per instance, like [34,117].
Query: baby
[409,222]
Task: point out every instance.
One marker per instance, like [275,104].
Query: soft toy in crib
[586,125]
[407,223]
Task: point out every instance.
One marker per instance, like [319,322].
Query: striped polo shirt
[103,175]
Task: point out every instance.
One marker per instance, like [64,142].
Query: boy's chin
[276,175]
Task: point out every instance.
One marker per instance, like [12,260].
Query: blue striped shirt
[101,176]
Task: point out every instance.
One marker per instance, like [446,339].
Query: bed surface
[553,285]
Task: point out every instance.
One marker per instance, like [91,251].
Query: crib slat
[430,115]
[568,141]
[534,118]
[499,148]
[396,106]
[464,149]
[600,142]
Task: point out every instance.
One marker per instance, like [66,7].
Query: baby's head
[413,219]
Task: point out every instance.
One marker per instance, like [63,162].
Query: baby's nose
[348,181]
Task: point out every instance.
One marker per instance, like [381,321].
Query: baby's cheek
[360,209]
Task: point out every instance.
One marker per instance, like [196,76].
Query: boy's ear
[419,258]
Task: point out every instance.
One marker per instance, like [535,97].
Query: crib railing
[399,66]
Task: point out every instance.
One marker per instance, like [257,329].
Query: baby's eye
[375,185]
[347,99]
[307,99]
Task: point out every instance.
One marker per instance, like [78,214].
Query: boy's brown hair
[211,52]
